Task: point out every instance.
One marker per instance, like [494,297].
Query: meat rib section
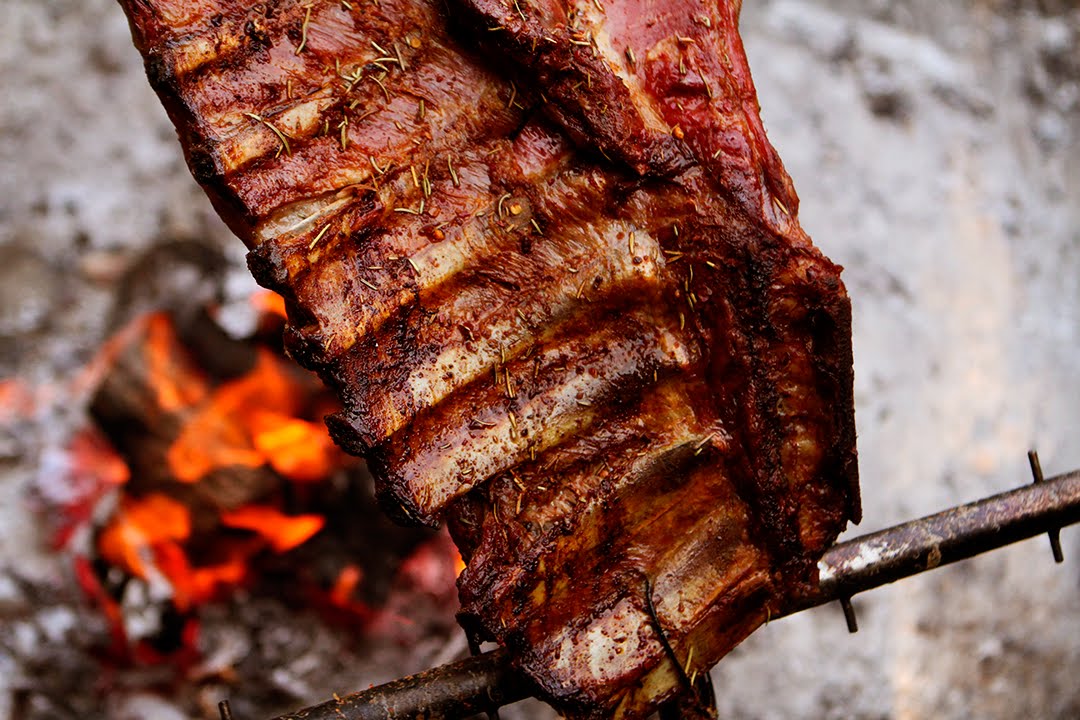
[549,260]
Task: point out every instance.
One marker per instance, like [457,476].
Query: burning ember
[209,470]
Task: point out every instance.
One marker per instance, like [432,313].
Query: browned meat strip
[549,260]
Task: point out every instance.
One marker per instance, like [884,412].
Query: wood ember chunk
[154,389]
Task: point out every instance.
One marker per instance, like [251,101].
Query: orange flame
[269,302]
[194,585]
[459,563]
[347,581]
[141,526]
[298,449]
[283,532]
[221,433]
[176,386]
[146,538]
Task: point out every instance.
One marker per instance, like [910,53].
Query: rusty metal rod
[877,559]
[485,682]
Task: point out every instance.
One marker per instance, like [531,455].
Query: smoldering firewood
[153,389]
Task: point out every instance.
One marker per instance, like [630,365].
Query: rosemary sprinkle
[277,131]
[303,31]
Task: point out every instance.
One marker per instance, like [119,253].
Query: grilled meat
[549,260]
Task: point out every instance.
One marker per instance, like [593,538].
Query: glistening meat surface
[546,255]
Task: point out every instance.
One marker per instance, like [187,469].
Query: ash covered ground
[936,148]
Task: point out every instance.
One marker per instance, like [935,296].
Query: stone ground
[936,147]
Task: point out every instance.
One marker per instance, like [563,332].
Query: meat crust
[549,260]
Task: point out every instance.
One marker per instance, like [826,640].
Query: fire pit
[203,481]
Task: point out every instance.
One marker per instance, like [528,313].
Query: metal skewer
[486,681]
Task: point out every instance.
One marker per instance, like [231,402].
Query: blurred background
[936,149]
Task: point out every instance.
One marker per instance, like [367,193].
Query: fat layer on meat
[550,262]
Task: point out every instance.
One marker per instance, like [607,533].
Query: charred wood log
[231,478]
[153,389]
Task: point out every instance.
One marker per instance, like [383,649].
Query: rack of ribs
[546,255]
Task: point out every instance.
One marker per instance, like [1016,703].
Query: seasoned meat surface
[546,255]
